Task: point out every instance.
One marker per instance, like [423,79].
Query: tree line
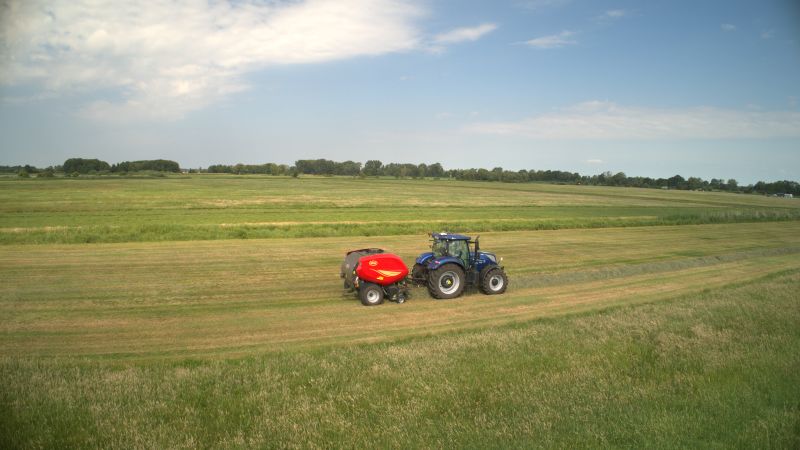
[84,166]
[376,168]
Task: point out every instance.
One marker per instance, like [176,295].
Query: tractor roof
[450,237]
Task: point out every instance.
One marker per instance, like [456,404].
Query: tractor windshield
[460,250]
[439,248]
[457,249]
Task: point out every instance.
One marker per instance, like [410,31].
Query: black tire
[419,274]
[446,282]
[494,281]
[370,294]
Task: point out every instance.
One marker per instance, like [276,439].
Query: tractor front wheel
[446,281]
[370,294]
[494,281]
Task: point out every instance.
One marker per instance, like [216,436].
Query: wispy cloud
[604,120]
[553,41]
[536,5]
[594,161]
[767,34]
[613,14]
[164,59]
[465,34]
[727,27]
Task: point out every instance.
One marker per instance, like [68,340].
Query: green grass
[717,368]
[155,300]
[241,207]
[148,313]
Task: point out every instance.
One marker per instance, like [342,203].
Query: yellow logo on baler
[388,273]
[373,263]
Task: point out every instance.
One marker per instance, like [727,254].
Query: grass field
[634,317]
[224,207]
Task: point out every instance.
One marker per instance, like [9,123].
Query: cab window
[460,250]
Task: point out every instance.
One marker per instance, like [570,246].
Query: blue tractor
[455,262]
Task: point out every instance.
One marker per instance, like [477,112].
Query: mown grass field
[225,207]
[207,311]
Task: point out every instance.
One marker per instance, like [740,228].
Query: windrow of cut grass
[717,368]
[212,208]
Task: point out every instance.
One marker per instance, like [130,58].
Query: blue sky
[653,88]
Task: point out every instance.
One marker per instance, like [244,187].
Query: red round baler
[383,268]
[375,275]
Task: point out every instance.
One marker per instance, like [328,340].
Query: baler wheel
[370,294]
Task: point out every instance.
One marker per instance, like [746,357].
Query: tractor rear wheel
[370,294]
[494,281]
[446,281]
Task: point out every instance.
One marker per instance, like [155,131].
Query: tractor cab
[453,247]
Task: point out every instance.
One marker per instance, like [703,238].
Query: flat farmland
[208,311]
[234,207]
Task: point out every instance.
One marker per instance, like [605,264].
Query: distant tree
[392,170]
[47,173]
[496,174]
[372,168]
[409,170]
[23,174]
[695,183]
[676,182]
[157,165]
[422,170]
[84,166]
[618,179]
[435,170]
[349,168]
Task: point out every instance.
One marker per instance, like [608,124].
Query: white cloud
[767,34]
[727,27]
[604,120]
[553,41]
[163,59]
[613,14]
[465,34]
[594,161]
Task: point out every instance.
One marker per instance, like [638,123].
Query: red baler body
[382,268]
